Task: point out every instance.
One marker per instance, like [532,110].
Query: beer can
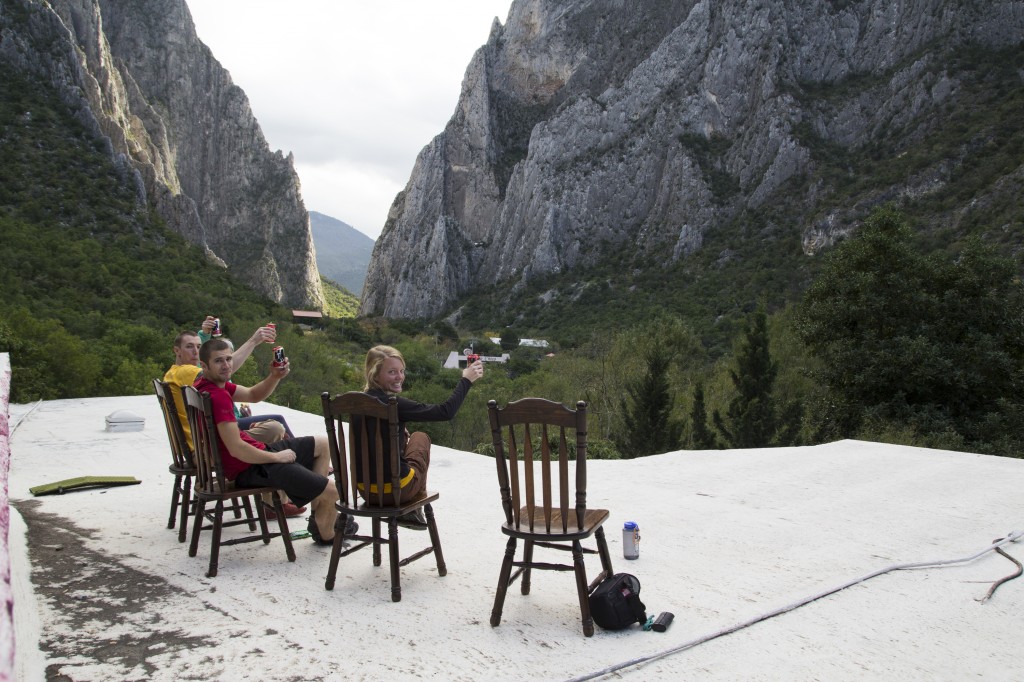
[274,327]
[216,327]
[278,356]
[631,540]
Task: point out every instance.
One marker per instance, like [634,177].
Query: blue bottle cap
[630,525]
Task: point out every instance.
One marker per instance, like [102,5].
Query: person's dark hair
[211,347]
[181,337]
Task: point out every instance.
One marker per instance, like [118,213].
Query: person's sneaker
[291,510]
[351,527]
[314,532]
[414,520]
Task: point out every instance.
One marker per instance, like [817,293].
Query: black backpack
[615,603]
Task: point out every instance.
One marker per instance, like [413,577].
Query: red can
[274,327]
[278,356]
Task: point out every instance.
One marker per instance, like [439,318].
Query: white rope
[24,417]
[1011,537]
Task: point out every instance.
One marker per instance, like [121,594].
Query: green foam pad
[61,487]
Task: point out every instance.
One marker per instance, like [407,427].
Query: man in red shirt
[299,466]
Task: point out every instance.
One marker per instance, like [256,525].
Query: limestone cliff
[592,124]
[140,78]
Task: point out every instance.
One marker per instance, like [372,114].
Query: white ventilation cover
[123,420]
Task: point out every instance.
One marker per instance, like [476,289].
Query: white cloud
[354,90]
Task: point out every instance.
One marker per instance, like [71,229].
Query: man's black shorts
[296,478]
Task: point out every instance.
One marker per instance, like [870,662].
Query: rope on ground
[24,417]
[1011,537]
[996,584]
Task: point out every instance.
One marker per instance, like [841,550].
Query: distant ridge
[342,252]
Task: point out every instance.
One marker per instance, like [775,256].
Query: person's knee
[268,431]
[419,440]
[330,490]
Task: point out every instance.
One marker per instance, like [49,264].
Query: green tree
[701,437]
[522,361]
[509,340]
[445,332]
[49,363]
[650,428]
[932,343]
[750,421]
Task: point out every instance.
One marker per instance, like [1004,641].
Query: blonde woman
[385,375]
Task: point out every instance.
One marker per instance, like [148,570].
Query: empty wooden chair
[370,422]
[544,495]
[182,465]
[211,486]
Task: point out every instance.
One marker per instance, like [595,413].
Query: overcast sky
[354,89]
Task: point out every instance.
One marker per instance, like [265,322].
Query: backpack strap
[637,607]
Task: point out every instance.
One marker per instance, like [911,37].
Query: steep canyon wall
[139,77]
[594,124]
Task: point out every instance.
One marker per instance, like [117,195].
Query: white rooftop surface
[727,537]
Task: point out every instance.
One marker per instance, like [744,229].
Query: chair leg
[197,526]
[581,588]
[282,525]
[332,567]
[175,497]
[218,522]
[186,503]
[528,561]
[435,541]
[248,512]
[376,541]
[396,586]
[503,576]
[261,516]
[236,509]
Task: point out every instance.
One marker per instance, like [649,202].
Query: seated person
[385,374]
[184,372]
[299,466]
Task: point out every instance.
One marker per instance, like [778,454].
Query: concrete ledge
[6,591]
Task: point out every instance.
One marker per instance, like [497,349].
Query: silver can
[631,540]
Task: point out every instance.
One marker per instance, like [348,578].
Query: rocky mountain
[342,251]
[168,113]
[586,127]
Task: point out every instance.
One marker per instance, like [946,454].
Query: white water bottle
[631,540]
